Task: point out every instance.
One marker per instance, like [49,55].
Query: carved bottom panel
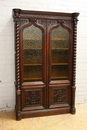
[32,99]
[59,96]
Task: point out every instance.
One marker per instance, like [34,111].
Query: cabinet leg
[73,109]
[18,116]
[18,107]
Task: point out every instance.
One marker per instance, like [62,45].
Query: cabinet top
[20,11]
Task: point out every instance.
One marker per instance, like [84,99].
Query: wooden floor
[58,122]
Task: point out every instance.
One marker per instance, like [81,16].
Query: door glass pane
[59,53]
[32,53]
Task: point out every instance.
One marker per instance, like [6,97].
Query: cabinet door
[60,66]
[33,66]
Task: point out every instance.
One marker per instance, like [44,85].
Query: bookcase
[45,62]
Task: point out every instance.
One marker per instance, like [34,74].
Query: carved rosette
[75,20]
[17,20]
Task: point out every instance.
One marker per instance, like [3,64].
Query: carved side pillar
[75,20]
[16,17]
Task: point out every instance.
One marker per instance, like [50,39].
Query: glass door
[32,54]
[59,89]
[59,53]
[33,67]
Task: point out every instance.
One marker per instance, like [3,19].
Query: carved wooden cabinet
[45,62]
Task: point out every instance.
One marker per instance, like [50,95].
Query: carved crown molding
[16,15]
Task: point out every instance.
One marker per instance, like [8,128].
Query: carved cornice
[45,16]
[16,15]
[75,18]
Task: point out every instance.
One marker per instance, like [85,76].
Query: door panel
[32,98]
[59,70]
[33,66]
[59,96]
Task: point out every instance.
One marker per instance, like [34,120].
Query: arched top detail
[32,32]
[32,24]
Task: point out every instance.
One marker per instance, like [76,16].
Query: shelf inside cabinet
[64,49]
[30,49]
[32,79]
[57,78]
[59,64]
[32,65]
[32,44]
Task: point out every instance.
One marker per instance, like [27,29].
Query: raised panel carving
[33,98]
[59,95]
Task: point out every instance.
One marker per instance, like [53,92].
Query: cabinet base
[73,110]
[46,112]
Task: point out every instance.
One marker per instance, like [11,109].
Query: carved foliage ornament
[59,95]
[33,98]
[61,22]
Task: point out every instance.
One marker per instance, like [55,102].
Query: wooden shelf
[41,64]
[41,49]
[32,79]
[32,64]
[59,63]
[60,49]
[32,49]
[63,77]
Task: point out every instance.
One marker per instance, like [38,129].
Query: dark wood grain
[48,96]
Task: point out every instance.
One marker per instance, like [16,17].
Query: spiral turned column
[17,64]
[75,20]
